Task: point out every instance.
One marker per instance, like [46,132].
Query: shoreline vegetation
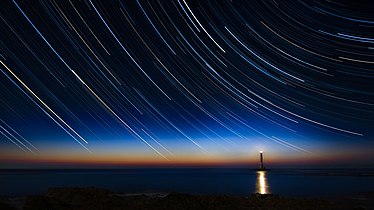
[95,198]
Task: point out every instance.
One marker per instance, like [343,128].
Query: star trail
[185,81]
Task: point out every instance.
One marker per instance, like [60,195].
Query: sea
[202,181]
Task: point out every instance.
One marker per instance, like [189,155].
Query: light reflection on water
[262,186]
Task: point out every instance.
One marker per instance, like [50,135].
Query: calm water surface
[286,182]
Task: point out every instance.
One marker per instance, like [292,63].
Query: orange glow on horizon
[123,160]
[134,158]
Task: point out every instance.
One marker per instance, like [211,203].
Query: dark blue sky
[186,81]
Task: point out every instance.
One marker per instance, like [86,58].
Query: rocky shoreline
[101,199]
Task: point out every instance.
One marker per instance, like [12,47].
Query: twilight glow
[118,83]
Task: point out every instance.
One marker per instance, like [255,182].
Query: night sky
[186,83]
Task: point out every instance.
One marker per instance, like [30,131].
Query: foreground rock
[94,198]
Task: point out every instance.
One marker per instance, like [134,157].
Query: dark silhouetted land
[94,198]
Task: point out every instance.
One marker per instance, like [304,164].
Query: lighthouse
[262,167]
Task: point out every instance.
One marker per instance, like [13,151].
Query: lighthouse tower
[262,167]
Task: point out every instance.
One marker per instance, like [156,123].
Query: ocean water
[229,181]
